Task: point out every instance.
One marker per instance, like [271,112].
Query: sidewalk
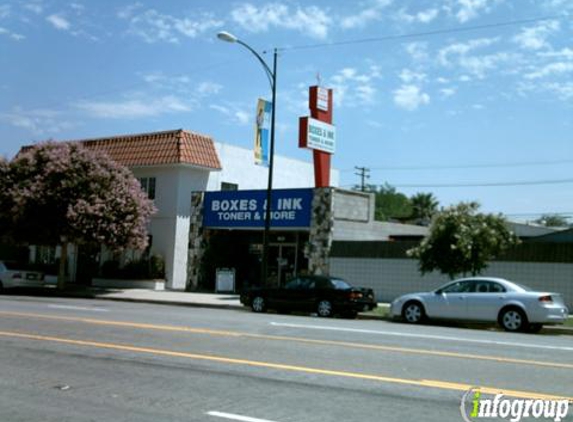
[166,297]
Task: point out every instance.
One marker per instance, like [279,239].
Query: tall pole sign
[317,133]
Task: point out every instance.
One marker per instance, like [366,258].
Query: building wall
[239,168]
[354,219]
[391,278]
[170,225]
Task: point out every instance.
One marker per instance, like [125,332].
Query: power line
[423,34]
[486,184]
[466,166]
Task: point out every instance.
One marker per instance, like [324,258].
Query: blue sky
[474,104]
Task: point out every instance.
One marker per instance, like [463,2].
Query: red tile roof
[157,148]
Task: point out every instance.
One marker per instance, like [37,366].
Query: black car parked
[324,295]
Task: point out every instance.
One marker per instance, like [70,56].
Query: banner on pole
[262,132]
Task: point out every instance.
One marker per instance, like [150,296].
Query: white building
[171,165]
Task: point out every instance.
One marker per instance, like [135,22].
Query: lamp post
[272,77]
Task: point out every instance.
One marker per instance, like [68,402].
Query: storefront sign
[317,135]
[322,99]
[236,209]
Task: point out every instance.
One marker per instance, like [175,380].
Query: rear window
[340,284]
[524,287]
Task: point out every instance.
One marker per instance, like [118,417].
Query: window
[148,186]
[459,287]
[489,287]
[229,186]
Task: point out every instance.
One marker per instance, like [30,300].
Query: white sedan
[484,299]
[11,276]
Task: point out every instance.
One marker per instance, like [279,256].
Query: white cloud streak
[153,26]
[135,108]
[365,16]
[311,20]
[410,97]
[59,22]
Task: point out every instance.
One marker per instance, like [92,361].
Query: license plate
[31,276]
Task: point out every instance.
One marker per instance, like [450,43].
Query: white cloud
[59,22]
[552,69]
[34,7]
[410,97]
[565,54]
[353,88]
[425,16]
[466,10]
[563,90]
[408,76]
[154,26]
[13,35]
[236,114]
[310,20]
[208,88]
[461,49]
[369,14]
[38,121]
[136,108]
[447,92]
[127,12]
[461,55]
[418,51]
[535,37]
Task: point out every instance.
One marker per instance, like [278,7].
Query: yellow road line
[292,368]
[238,334]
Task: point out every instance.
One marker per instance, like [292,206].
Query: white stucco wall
[239,168]
[170,225]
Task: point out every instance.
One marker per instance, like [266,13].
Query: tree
[462,240]
[553,220]
[62,193]
[424,206]
[389,203]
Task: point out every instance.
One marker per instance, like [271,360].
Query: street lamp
[272,76]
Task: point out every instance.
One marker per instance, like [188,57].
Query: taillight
[546,299]
[17,276]
[356,295]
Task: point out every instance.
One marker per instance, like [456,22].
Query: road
[95,360]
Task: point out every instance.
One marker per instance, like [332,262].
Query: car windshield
[340,284]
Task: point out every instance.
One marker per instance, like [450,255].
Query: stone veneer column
[196,246]
[321,225]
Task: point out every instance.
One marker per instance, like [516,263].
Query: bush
[145,268]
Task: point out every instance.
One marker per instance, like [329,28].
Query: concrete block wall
[391,278]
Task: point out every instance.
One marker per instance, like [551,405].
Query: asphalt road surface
[94,360]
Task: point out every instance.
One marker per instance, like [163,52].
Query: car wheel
[259,304]
[324,308]
[413,312]
[513,319]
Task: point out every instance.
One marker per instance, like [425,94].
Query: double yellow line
[269,365]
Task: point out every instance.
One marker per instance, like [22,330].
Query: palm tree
[424,206]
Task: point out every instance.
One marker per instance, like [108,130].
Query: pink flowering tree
[62,193]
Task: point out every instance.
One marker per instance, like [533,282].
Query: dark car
[324,295]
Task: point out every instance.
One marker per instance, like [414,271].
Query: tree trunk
[63,264]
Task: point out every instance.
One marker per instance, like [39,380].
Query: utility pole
[363,173]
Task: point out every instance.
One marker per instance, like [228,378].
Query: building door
[283,263]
